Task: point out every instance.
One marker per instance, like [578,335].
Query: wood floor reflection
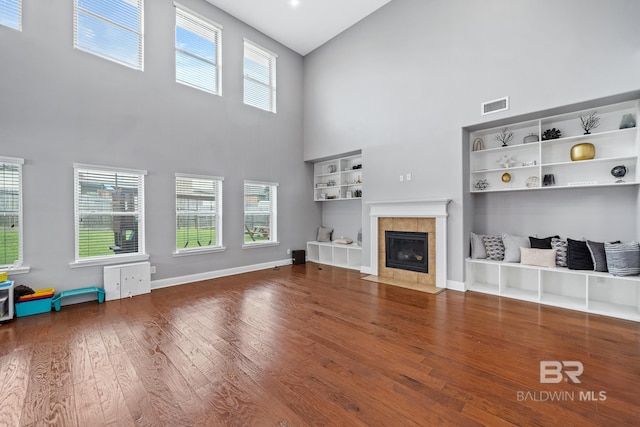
[303,345]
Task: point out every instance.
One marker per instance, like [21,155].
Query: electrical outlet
[152,270]
[409,177]
[401,178]
[288,251]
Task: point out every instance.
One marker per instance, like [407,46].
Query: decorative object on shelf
[358,166]
[478,144]
[481,184]
[506,161]
[583,151]
[359,238]
[331,168]
[331,183]
[532,182]
[619,172]
[532,137]
[552,133]
[531,163]
[357,193]
[321,185]
[343,241]
[349,194]
[548,180]
[628,121]
[322,196]
[358,180]
[505,136]
[506,177]
[589,121]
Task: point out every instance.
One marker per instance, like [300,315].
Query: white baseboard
[175,281]
[456,286]
[365,269]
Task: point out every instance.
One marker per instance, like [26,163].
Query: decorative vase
[530,138]
[506,177]
[619,172]
[583,151]
[628,121]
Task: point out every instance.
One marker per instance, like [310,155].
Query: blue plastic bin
[27,308]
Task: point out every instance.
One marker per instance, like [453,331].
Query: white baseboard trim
[181,280]
[456,286]
[365,269]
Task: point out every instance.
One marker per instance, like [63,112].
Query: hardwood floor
[307,346]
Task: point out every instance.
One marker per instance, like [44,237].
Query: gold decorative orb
[506,177]
[583,151]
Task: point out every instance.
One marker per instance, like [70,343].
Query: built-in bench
[584,290]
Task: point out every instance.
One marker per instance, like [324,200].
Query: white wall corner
[454,285]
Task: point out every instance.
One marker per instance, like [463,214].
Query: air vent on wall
[495,105]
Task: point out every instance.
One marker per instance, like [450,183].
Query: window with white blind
[109,213]
[11,14]
[10,212]
[111,29]
[259,77]
[260,213]
[198,43]
[198,213]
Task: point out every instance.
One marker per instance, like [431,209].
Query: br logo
[551,371]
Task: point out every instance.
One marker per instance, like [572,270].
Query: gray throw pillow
[512,245]
[324,234]
[477,247]
[561,251]
[494,247]
[623,259]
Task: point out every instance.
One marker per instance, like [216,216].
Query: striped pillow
[623,259]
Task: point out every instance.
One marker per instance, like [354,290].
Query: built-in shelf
[336,254]
[338,179]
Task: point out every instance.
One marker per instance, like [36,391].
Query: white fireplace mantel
[432,208]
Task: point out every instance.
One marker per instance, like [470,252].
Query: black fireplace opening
[407,250]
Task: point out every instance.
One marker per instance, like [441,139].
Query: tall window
[10,212]
[197,51]
[259,77]
[260,213]
[11,14]
[198,213]
[111,29]
[109,212]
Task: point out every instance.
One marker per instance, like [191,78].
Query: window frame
[17,266]
[258,50]
[210,26]
[139,33]
[114,258]
[18,17]
[218,246]
[273,215]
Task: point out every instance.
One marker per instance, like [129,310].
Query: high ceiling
[301,25]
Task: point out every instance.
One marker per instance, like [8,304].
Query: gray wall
[402,84]
[61,106]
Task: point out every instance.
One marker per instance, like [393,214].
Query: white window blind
[260,212]
[198,212]
[11,14]
[259,77]
[109,212]
[10,212]
[198,43]
[111,29]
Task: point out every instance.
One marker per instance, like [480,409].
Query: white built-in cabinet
[590,291]
[531,161]
[615,145]
[338,179]
[339,255]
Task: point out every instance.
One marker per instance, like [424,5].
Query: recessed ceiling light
[294,3]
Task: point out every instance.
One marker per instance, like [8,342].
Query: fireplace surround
[428,216]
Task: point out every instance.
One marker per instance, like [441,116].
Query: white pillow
[512,245]
[538,257]
[477,247]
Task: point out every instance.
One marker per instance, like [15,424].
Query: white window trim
[218,63]
[140,66]
[19,18]
[207,249]
[18,266]
[116,258]
[274,213]
[272,73]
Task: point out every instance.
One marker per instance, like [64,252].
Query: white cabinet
[339,255]
[523,166]
[6,300]
[589,291]
[338,179]
[127,280]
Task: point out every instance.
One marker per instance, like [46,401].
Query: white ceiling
[304,27]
